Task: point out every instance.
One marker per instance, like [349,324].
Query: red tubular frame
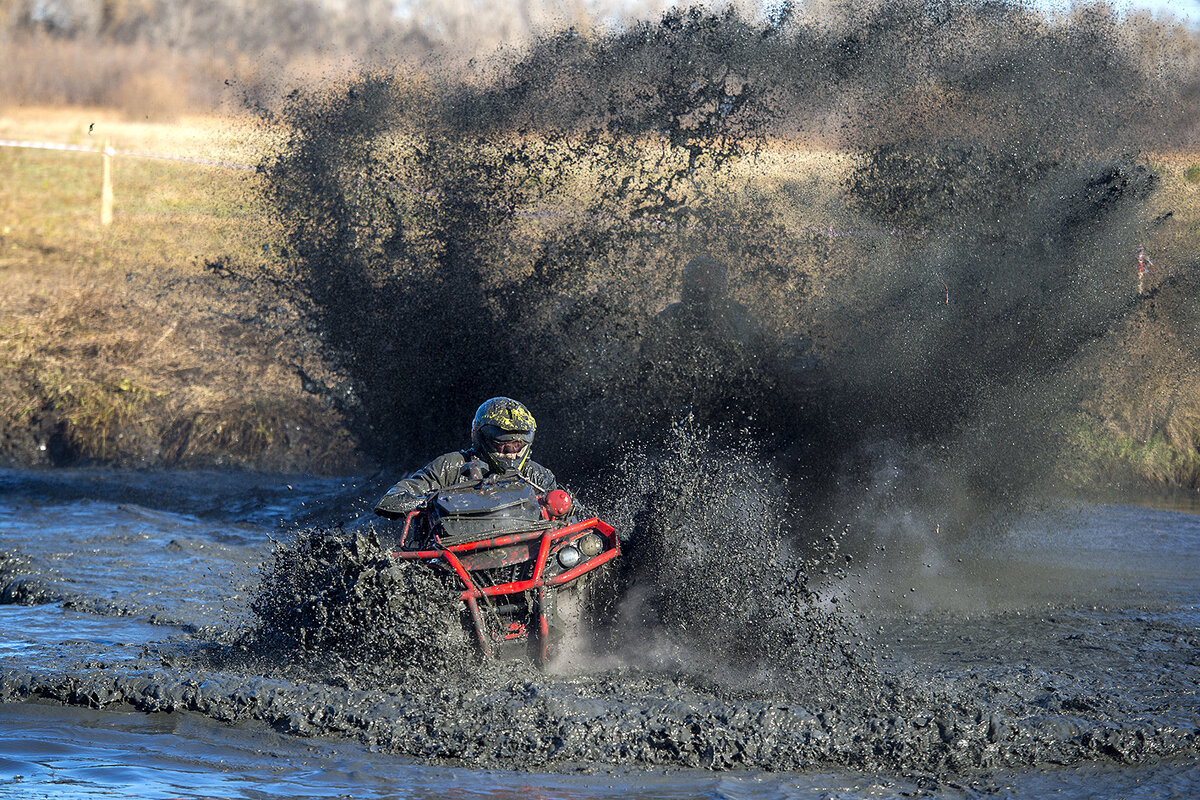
[471,594]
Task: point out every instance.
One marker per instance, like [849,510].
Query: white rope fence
[78,148]
[108,152]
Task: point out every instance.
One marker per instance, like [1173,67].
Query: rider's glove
[474,470]
[395,506]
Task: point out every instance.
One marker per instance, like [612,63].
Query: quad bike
[518,558]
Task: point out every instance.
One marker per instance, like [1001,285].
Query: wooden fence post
[106,189]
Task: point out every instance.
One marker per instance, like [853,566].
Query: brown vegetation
[116,344]
[158,59]
[1141,422]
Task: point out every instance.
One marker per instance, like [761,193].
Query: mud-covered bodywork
[510,552]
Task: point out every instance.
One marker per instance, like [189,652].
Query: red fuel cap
[558,503]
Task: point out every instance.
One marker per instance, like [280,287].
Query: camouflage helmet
[502,433]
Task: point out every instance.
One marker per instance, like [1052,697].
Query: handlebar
[408,518]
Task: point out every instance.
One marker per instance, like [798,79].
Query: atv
[520,559]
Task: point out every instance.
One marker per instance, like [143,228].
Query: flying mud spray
[791,300]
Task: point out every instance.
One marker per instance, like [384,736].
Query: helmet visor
[506,447]
[512,448]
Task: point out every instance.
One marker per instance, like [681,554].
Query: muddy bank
[284,436]
[156,370]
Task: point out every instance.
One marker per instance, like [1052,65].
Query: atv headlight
[591,544]
[569,557]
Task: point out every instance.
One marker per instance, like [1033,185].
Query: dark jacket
[447,470]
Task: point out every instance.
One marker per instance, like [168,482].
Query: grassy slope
[1141,423]
[117,346]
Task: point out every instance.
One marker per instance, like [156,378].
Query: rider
[501,438]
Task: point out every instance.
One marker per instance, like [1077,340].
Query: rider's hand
[474,470]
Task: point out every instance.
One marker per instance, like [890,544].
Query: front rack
[538,584]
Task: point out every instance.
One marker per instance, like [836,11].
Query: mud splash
[708,583]
[333,603]
[426,230]
[706,587]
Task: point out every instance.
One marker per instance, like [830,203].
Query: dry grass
[1174,241]
[116,344]
[1142,422]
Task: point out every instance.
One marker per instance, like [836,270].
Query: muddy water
[1056,655]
